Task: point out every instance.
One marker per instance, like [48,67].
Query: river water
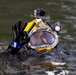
[38,64]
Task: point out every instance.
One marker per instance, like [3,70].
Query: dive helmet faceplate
[42,37]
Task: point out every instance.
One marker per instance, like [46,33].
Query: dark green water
[63,11]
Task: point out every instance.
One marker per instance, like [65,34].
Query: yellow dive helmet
[41,36]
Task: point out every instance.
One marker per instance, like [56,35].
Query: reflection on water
[20,64]
[29,65]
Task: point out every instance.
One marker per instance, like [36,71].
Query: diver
[32,34]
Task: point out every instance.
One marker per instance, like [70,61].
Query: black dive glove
[20,38]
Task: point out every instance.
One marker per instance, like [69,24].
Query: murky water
[38,64]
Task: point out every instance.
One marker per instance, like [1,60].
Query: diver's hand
[20,38]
